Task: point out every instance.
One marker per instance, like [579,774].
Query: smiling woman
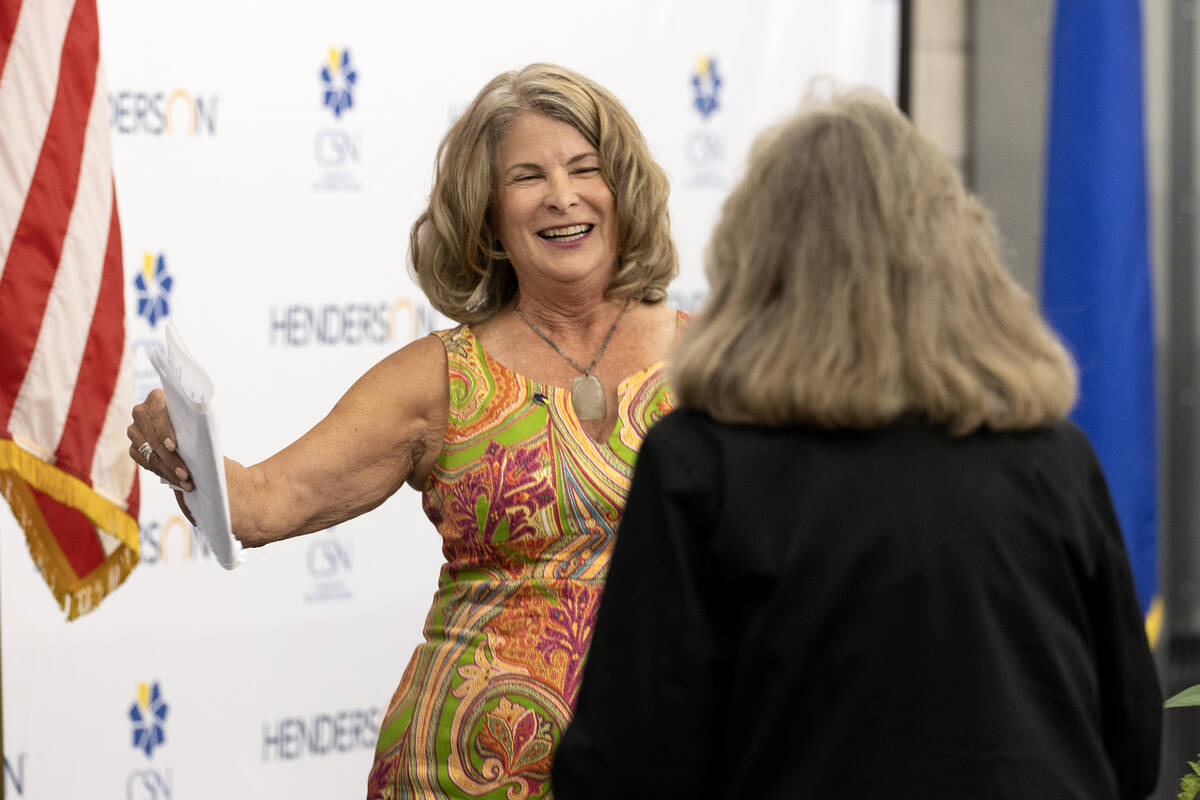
[547,237]
[453,244]
[555,216]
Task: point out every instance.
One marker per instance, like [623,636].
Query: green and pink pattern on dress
[527,505]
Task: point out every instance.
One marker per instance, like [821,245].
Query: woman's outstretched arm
[386,430]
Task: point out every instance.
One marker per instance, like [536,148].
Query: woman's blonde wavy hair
[855,281]
[456,256]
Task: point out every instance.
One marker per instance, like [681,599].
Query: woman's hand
[152,446]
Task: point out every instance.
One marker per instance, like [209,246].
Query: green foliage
[1189,785]
[1188,697]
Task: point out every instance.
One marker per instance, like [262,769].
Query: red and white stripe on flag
[66,385]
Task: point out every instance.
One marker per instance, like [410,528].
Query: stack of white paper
[189,393]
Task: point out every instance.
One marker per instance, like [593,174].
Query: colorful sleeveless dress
[527,505]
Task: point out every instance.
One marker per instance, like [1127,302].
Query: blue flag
[1095,269]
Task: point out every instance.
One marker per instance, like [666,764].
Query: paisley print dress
[526,504]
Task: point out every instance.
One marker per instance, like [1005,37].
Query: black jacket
[795,613]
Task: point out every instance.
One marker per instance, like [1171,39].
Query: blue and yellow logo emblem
[153,286]
[338,78]
[706,81]
[149,716]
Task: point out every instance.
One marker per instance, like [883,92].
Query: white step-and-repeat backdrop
[270,158]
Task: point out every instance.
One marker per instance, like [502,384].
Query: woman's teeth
[570,233]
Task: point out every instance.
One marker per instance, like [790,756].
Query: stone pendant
[587,397]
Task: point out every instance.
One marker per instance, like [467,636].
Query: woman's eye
[525,178]
[587,171]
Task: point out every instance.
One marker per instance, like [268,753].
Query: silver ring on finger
[146,451]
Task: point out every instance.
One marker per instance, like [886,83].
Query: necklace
[587,393]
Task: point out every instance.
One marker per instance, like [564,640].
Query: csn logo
[704,148]
[148,714]
[706,82]
[330,562]
[154,288]
[338,78]
[153,284]
[337,150]
[153,113]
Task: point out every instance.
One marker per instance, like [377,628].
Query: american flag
[66,385]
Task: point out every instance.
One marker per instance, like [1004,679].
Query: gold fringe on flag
[20,473]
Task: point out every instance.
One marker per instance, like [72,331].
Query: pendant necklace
[587,393]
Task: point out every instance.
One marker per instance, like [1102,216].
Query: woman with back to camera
[869,557]
[547,236]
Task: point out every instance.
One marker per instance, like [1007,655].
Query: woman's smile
[555,214]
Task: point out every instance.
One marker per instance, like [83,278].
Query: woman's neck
[569,311]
